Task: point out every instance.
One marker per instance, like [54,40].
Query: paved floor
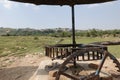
[41,73]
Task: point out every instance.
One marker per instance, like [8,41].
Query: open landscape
[81,28]
[29,27]
[23,45]
[20,55]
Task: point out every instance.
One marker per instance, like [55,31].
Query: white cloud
[93,5]
[27,4]
[7,4]
[10,4]
[35,7]
[98,5]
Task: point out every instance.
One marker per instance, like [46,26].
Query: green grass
[115,50]
[22,45]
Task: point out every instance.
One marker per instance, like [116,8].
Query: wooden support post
[56,52]
[93,55]
[88,55]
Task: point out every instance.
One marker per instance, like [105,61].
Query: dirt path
[22,68]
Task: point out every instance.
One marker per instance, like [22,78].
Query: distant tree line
[59,32]
[99,33]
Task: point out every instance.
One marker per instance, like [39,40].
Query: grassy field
[22,45]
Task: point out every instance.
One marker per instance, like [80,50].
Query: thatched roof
[62,2]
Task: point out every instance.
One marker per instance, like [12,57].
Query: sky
[22,15]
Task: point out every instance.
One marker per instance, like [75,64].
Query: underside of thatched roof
[62,2]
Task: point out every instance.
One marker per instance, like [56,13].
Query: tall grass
[22,45]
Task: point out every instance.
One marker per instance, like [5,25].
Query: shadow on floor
[17,73]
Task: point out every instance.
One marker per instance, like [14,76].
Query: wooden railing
[62,51]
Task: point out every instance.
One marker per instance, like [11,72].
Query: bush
[36,38]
